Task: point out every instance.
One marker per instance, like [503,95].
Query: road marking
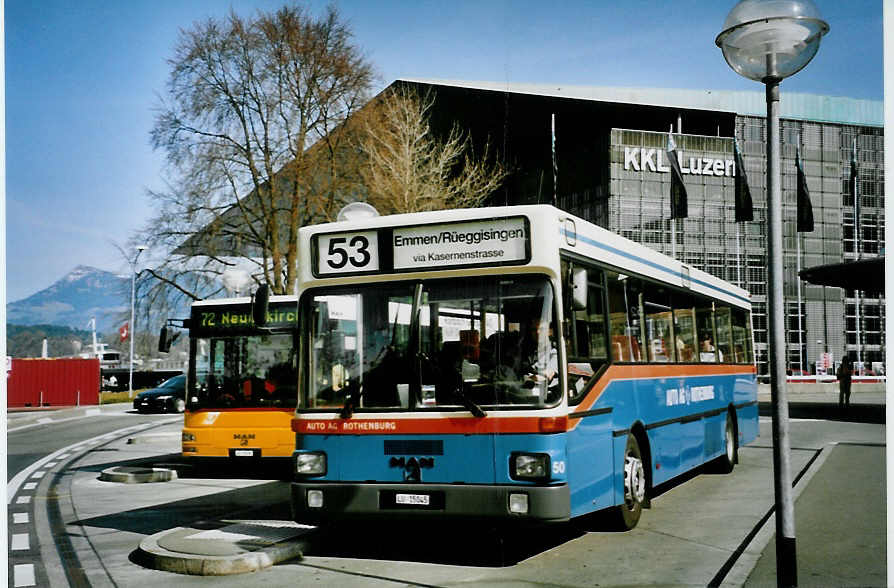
[13,485]
[20,518]
[45,420]
[24,575]
[20,542]
[38,474]
[30,486]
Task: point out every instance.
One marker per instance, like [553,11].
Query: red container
[52,382]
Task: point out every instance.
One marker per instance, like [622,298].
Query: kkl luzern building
[600,153]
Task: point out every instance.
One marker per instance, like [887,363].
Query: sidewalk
[839,523]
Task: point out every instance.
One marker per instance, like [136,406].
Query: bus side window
[685,337]
[595,314]
[584,331]
[704,324]
[741,336]
[724,335]
[624,318]
[656,304]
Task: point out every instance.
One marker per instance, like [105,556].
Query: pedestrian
[844,383]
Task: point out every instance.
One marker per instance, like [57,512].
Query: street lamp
[767,41]
[133,284]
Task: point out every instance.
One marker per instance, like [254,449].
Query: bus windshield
[245,371]
[454,344]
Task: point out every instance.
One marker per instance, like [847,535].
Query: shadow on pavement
[474,544]
[264,501]
[855,413]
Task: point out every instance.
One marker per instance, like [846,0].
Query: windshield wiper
[351,399]
[468,403]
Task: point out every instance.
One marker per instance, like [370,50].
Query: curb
[137,475]
[152,555]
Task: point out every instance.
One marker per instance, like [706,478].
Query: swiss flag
[124,332]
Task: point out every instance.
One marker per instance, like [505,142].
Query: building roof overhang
[867,275]
[796,106]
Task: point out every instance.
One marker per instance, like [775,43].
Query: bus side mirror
[164,340]
[260,304]
[579,289]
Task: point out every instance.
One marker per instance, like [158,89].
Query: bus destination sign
[232,318]
[492,241]
[439,246]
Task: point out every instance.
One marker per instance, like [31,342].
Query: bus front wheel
[629,511]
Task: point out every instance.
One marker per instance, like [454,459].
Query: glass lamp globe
[765,40]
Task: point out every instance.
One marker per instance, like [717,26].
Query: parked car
[169,396]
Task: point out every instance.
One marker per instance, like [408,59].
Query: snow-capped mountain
[72,301]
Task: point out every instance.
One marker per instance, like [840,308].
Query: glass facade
[818,319]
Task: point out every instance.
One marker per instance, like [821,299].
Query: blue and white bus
[513,363]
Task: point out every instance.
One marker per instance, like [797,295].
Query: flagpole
[555,164]
[744,210]
[673,218]
[798,278]
[858,248]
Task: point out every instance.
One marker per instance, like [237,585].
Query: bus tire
[727,461]
[629,511]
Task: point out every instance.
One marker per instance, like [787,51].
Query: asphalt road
[702,530]
[34,435]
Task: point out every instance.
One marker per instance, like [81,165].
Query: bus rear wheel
[726,462]
[629,511]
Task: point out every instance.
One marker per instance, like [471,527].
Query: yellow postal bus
[241,390]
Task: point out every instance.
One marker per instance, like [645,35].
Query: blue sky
[82,80]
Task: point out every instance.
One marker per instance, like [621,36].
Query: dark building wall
[518,129]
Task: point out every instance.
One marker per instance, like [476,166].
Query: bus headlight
[188,437]
[529,466]
[310,464]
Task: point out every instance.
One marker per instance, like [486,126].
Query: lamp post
[133,284]
[767,41]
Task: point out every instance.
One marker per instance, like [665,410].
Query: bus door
[590,442]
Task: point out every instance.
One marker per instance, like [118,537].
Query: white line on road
[44,420]
[20,518]
[13,485]
[20,542]
[30,486]
[24,575]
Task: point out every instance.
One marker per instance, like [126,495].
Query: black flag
[805,210]
[679,200]
[744,208]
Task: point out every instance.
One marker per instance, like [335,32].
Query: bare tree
[247,125]
[409,169]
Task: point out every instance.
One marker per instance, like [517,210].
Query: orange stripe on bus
[308,425]
[444,426]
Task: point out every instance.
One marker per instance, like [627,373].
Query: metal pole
[133,280]
[786,555]
[801,349]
